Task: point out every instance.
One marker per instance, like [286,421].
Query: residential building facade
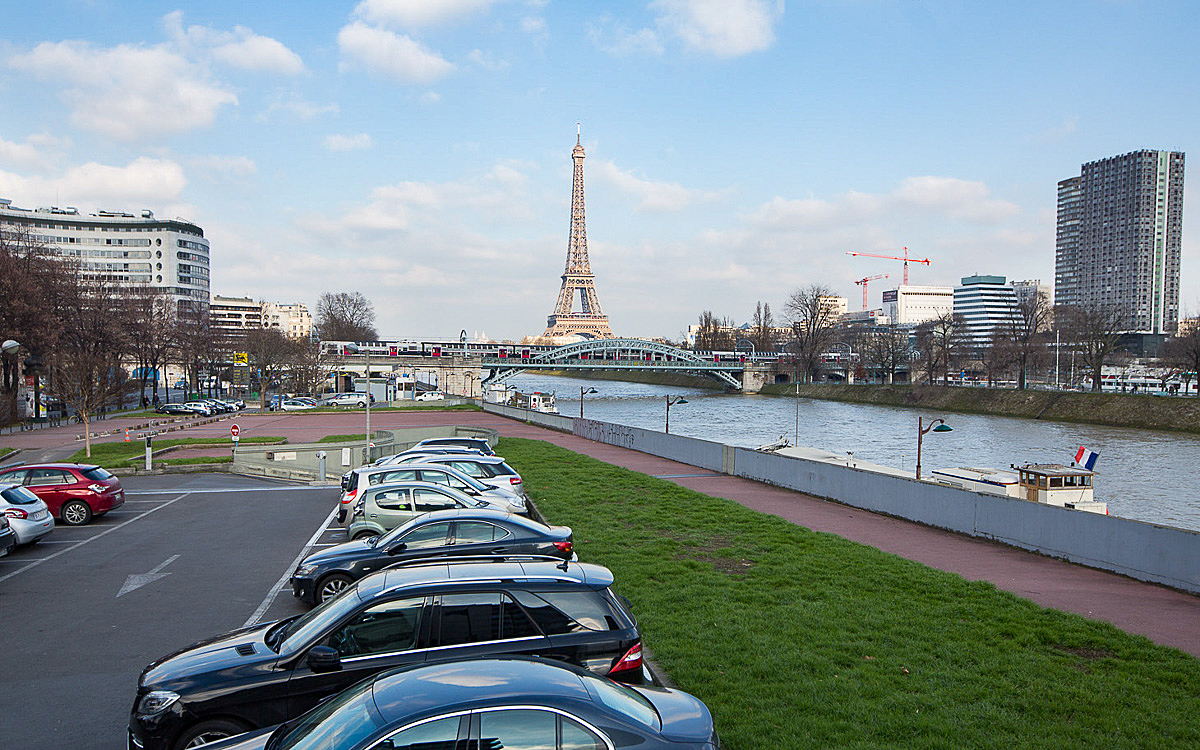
[167,254]
[293,321]
[1119,238]
[910,305]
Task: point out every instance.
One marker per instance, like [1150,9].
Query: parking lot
[88,607]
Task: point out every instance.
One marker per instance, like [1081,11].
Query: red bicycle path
[1164,615]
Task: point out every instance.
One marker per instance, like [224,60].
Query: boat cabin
[1064,486]
[989,481]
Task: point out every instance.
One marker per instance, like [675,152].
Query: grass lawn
[799,639]
[120,453]
[5,451]
[343,438]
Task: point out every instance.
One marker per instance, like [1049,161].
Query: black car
[509,702]
[446,608]
[173,409]
[459,531]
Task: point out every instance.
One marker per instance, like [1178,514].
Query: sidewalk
[1165,616]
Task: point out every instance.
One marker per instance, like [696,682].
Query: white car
[292,404]
[350,399]
[431,396]
[199,407]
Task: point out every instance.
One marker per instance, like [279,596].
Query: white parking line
[280,584]
[296,488]
[121,525]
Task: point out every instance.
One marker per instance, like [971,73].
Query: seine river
[1143,475]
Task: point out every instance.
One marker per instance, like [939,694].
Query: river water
[1141,474]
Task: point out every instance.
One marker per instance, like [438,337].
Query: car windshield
[96,474]
[293,635]
[471,482]
[340,722]
[19,496]
[622,699]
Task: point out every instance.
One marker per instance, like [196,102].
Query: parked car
[445,608]
[472,443]
[273,404]
[74,493]
[174,409]
[487,469]
[199,407]
[372,476]
[181,384]
[460,531]
[28,515]
[430,396]
[378,510]
[350,399]
[497,702]
[8,539]
[291,404]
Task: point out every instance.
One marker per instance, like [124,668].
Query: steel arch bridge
[614,354]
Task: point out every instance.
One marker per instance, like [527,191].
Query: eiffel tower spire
[577,276]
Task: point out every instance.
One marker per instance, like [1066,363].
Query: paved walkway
[1161,614]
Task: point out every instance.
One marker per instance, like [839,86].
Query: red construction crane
[905,258]
[863,283]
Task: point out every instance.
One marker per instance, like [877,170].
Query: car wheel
[332,585]
[209,731]
[364,534]
[361,404]
[75,513]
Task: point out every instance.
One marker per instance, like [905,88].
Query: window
[439,734]
[470,618]
[429,535]
[430,500]
[470,469]
[478,532]
[569,611]
[519,729]
[392,476]
[382,629]
[39,477]
[15,477]
[393,499]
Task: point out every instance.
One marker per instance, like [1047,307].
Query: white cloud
[410,13]
[533,24]
[394,55]
[224,166]
[127,92]
[959,199]
[726,28]
[653,196]
[335,142]
[144,181]
[38,150]
[293,104]
[486,60]
[619,42]
[239,48]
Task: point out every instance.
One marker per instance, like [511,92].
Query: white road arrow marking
[137,580]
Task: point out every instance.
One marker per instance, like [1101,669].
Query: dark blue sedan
[514,703]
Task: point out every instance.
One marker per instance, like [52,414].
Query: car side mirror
[397,548]
[324,659]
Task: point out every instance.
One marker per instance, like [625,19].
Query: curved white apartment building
[170,254]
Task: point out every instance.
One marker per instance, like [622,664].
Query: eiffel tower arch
[577,280]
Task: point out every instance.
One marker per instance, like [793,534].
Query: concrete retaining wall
[1140,550]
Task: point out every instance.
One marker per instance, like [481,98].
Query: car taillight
[15,513]
[631,660]
[515,480]
[97,488]
[563,547]
[349,497]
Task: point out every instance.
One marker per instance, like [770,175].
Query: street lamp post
[672,402]
[583,393]
[937,425]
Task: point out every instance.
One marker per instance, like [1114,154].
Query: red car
[73,492]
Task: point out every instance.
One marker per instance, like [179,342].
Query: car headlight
[518,503]
[156,702]
[304,571]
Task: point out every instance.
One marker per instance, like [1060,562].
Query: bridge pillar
[755,376]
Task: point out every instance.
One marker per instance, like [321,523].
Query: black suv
[411,613]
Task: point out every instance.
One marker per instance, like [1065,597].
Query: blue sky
[419,151]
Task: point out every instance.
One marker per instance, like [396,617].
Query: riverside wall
[1140,550]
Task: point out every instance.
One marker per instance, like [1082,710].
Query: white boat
[536,401]
[1050,484]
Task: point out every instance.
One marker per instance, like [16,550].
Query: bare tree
[998,357]
[87,361]
[1183,352]
[269,352]
[813,321]
[714,334]
[306,365]
[1025,333]
[1094,331]
[938,345]
[193,340]
[761,335]
[345,316]
[884,351]
[151,328]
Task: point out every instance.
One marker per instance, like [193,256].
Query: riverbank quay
[1164,615]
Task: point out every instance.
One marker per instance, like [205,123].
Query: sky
[419,151]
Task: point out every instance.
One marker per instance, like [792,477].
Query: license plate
[41,515]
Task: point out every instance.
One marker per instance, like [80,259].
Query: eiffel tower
[590,322]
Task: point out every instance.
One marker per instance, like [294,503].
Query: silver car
[28,515]
[487,469]
[447,476]
[377,510]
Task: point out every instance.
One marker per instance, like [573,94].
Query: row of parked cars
[34,496]
[205,407]
[466,625]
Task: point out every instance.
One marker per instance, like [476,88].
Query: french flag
[1086,458]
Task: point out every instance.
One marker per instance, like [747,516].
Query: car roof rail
[464,559]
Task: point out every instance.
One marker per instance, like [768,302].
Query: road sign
[241,358]
[234,431]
